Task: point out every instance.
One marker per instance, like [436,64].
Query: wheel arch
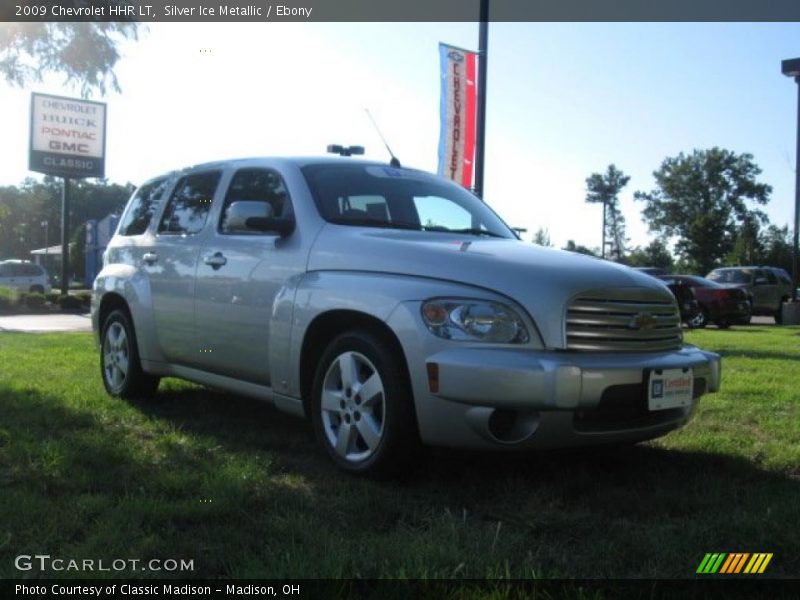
[324,328]
[108,304]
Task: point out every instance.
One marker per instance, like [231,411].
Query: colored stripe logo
[734,563]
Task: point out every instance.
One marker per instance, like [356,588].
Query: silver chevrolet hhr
[391,307]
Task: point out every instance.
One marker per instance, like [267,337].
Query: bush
[8,298]
[85,297]
[70,303]
[33,300]
[53,297]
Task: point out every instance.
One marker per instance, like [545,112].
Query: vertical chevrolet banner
[457,113]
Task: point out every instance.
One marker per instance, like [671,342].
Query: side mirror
[240,211]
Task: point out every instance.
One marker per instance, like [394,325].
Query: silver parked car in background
[391,307]
[24,276]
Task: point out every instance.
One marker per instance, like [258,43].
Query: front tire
[362,407]
[120,367]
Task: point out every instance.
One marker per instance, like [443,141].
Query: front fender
[376,295]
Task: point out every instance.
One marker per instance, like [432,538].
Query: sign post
[68,140]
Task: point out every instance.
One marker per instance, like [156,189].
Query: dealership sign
[68,136]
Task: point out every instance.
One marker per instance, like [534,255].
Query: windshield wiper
[476,231]
[369,222]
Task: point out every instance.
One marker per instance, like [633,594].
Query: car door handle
[215,260]
[150,257]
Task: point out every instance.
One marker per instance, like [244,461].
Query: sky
[564,100]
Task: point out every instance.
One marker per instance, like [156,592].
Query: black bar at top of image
[398,10]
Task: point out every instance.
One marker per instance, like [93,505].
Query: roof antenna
[394,162]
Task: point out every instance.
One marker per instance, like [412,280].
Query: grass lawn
[243,491]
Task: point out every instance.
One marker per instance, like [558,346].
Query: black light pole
[65,238]
[791,68]
[603,248]
[480,133]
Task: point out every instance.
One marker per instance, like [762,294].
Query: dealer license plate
[669,388]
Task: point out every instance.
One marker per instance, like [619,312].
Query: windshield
[731,276]
[382,196]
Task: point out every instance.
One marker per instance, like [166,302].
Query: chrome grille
[623,321]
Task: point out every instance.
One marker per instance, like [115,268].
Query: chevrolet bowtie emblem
[643,321]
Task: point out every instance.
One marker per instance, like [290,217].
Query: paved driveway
[45,323]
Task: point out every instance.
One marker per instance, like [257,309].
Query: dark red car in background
[720,304]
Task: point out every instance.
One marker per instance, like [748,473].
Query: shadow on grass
[131,483]
[755,354]
[720,500]
[98,480]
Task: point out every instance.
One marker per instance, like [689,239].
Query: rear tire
[362,407]
[779,312]
[699,320]
[120,367]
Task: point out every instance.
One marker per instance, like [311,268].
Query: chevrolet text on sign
[68,136]
[457,114]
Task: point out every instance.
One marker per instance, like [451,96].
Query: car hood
[542,280]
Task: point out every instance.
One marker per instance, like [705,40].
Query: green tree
[655,254]
[542,237]
[747,248]
[24,208]
[775,245]
[573,247]
[85,53]
[605,188]
[702,199]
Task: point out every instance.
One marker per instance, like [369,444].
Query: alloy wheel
[353,406]
[116,353]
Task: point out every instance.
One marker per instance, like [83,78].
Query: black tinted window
[255,185]
[30,270]
[189,204]
[142,207]
[383,196]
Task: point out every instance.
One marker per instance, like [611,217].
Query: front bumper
[499,397]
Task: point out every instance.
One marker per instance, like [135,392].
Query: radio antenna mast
[394,162]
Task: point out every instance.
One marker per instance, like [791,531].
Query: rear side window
[142,206]
[188,207]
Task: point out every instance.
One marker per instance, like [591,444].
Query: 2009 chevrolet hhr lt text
[390,306]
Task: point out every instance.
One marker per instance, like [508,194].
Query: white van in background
[24,276]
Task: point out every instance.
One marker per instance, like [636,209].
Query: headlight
[473,320]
